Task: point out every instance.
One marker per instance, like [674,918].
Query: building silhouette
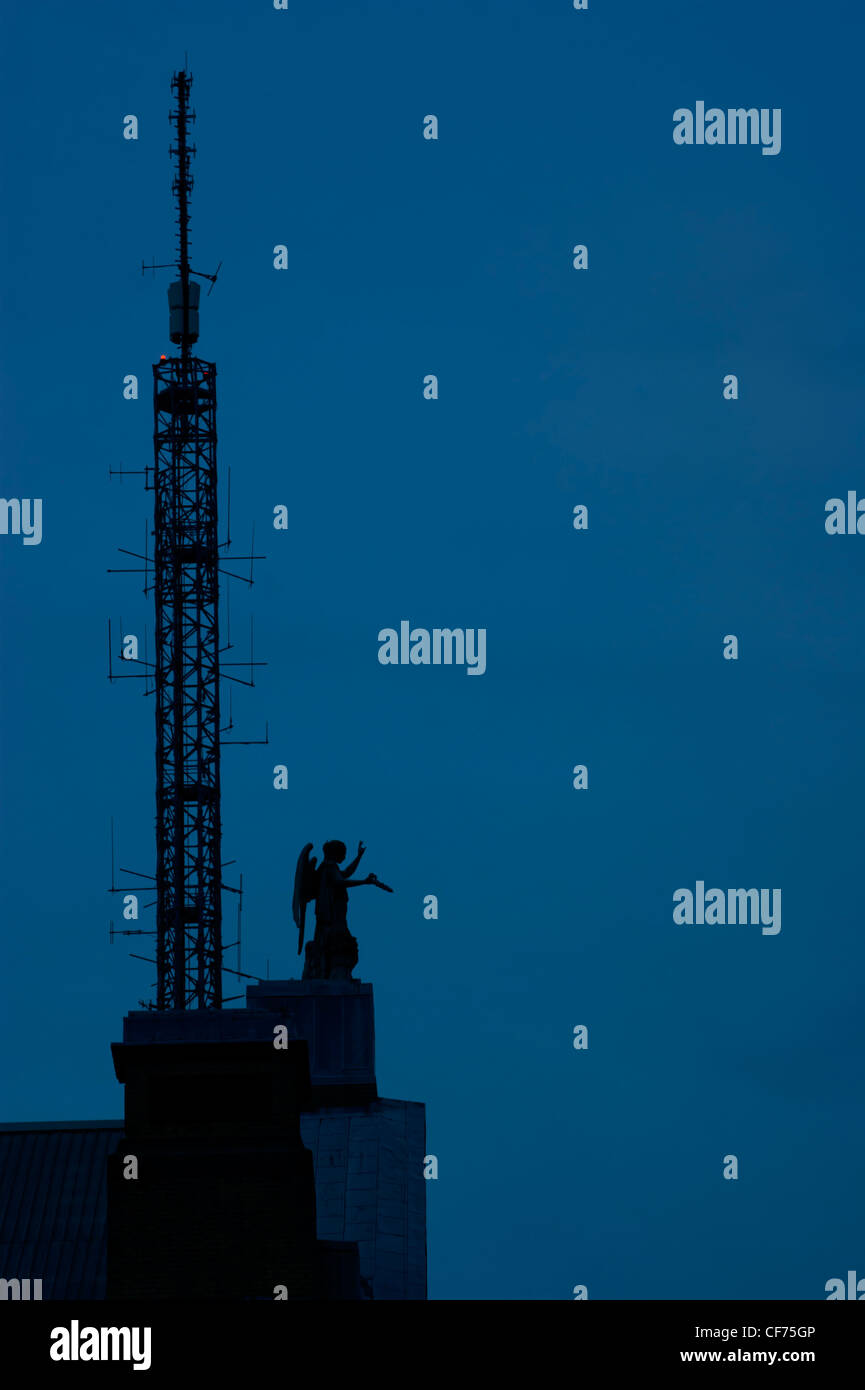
[263,1171]
[255,1159]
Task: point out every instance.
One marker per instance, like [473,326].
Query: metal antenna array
[185,675]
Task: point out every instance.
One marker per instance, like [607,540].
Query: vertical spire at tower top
[183,296]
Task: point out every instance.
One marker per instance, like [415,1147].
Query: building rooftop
[52,1204]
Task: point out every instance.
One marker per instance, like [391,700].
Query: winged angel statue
[332,953]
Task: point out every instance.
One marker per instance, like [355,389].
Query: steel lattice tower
[186,584]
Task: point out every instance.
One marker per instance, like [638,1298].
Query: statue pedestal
[369,1151]
[333,957]
[336,1019]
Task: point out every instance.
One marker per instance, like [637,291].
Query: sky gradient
[557,387]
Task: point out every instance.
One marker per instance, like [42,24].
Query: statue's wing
[299,897]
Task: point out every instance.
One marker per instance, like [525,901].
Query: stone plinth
[335,1017]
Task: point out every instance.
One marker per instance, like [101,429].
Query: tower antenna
[183,573]
[186,588]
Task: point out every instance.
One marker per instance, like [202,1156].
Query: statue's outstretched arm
[370,878]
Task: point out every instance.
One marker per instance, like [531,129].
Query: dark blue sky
[557,387]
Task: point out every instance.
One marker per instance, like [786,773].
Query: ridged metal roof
[53,1202]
